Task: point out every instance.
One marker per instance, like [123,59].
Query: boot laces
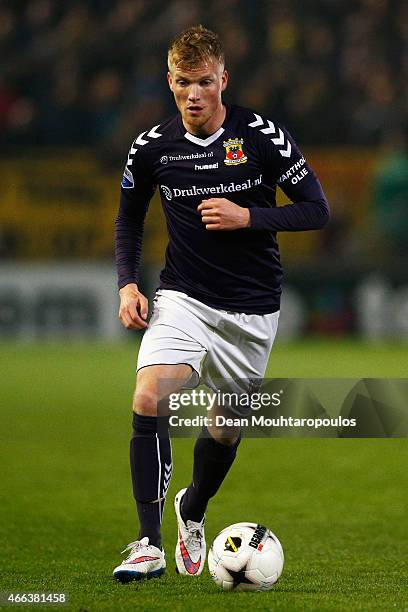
[133,547]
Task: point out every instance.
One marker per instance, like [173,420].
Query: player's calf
[151,468]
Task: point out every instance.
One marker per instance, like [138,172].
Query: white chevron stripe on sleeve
[258,121]
[153,133]
[286,152]
[270,129]
[139,140]
[280,140]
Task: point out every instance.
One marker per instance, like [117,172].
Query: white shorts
[218,345]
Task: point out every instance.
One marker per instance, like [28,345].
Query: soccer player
[216,311]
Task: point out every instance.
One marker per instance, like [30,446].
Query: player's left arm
[286,167]
[309,211]
[222,214]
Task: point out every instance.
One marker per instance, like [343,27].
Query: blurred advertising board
[63,205]
[80,301]
[41,302]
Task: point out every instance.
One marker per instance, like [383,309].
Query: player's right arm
[133,307]
[137,189]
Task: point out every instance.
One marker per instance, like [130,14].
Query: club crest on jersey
[234,154]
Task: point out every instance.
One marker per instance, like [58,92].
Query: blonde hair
[194,47]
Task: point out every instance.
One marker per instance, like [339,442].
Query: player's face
[198,96]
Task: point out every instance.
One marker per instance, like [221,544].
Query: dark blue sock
[151,467]
[212,462]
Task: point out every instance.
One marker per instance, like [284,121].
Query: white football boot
[144,561]
[191,547]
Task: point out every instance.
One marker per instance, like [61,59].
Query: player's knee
[145,402]
[226,436]
[228,441]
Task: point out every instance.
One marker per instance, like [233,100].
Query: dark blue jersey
[243,161]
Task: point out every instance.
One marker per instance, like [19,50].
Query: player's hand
[222,214]
[133,307]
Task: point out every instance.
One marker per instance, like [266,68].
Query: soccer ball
[245,557]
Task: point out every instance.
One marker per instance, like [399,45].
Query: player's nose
[194,93]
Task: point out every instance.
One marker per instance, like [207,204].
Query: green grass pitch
[67,509]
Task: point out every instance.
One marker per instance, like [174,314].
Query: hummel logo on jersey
[279,138]
[234,154]
[206,166]
[142,140]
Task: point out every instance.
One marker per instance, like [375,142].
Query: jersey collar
[204,142]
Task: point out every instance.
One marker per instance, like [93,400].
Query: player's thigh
[239,355]
[176,335]
[155,383]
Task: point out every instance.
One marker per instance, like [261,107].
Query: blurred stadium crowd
[80,79]
[93,72]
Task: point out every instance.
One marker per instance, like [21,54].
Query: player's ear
[224,80]
[170,80]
